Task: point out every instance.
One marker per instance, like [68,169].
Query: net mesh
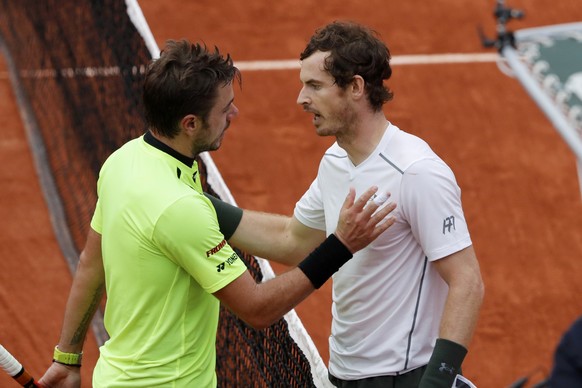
[77,68]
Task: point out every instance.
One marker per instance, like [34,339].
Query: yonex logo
[449,223]
[229,261]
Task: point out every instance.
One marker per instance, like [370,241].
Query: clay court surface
[520,189]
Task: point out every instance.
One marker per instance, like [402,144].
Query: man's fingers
[382,212]
[382,220]
[380,199]
[363,220]
[365,198]
[373,205]
[349,201]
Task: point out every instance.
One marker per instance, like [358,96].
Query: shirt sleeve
[309,209]
[96,221]
[188,233]
[430,201]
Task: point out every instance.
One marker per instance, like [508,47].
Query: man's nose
[234,111]
[302,98]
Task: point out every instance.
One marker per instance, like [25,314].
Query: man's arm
[275,237]
[84,299]
[461,272]
[262,304]
[279,238]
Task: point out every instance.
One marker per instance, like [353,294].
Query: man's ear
[358,87]
[190,124]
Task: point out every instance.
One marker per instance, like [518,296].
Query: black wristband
[62,363]
[229,216]
[325,260]
[444,364]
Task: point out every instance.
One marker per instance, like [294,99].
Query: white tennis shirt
[388,300]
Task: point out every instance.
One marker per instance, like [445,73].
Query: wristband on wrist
[70,359]
[228,216]
[444,364]
[325,260]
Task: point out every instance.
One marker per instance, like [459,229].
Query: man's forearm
[461,272]
[456,330]
[462,311]
[84,299]
[79,313]
[275,237]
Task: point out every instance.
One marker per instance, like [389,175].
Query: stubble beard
[202,143]
[343,126]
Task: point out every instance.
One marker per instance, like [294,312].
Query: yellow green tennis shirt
[163,256]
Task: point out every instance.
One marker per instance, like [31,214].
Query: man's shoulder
[123,152]
[406,149]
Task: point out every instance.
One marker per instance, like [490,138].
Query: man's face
[333,114]
[210,136]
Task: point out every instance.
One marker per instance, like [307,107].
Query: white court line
[402,60]
[429,59]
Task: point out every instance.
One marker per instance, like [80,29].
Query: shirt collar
[151,140]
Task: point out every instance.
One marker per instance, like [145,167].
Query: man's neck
[365,137]
[175,143]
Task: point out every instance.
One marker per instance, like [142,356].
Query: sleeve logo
[216,248]
[448,224]
[220,267]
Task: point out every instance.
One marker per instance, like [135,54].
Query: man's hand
[363,220]
[62,376]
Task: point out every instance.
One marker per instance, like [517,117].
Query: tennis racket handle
[26,380]
[15,369]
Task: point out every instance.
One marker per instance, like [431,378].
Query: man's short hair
[184,80]
[354,50]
